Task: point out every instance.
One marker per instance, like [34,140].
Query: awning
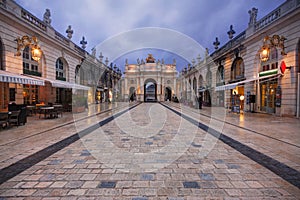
[233,85]
[63,84]
[10,77]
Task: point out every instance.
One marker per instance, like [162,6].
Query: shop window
[237,69]
[12,94]
[30,94]
[30,66]
[60,70]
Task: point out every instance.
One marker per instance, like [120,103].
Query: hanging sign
[282,67]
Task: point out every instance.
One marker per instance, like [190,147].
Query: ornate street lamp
[32,42]
[269,42]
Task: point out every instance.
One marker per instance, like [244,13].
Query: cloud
[98,20]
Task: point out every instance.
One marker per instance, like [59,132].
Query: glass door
[268,93]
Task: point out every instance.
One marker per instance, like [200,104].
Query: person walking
[200,101]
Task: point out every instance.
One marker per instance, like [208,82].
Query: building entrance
[168,94]
[268,94]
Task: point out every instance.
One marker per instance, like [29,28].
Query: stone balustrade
[33,20]
[279,12]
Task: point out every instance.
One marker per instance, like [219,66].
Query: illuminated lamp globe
[36,53]
[242,97]
[264,54]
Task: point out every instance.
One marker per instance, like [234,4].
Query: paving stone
[130,192]
[74,184]
[207,185]
[54,162]
[58,184]
[59,192]
[77,192]
[88,177]
[139,198]
[219,161]
[224,184]
[107,184]
[191,184]
[233,166]
[78,161]
[175,198]
[85,153]
[148,143]
[48,177]
[147,177]
[254,184]
[239,184]
[43,184]
[42,193]
[207,176]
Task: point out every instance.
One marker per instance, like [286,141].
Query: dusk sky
[99,20]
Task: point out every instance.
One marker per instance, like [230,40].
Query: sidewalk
[19,142]
[277,137]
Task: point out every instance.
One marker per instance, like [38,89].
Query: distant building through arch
[153,80]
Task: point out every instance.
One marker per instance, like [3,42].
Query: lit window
[30,66]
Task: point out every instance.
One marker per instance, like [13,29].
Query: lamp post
[269,42]
[32,42]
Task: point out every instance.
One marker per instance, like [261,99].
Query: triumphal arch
[149,80]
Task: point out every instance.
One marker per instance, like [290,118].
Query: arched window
[1,56]
[77,74]
[272,63]
[200,81]
[237,69]
[220,75]
[60,70]
[195,85]
[30,66]
[208,78]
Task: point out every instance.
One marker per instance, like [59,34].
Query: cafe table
[47,110]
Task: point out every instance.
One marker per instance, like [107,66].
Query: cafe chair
[3,120]
[14,118]
[58,111]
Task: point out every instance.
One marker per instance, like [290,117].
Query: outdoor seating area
[50,112]
[10,118]
[17,113]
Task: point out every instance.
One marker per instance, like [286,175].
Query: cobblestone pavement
[152,153]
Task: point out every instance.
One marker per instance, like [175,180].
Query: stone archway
[150,90]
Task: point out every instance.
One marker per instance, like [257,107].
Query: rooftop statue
[150,59]
[69,32]
[253,16]
[47,16]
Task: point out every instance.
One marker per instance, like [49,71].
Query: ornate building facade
[258,70]
[149,81]
[62,69]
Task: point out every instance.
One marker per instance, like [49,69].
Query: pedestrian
[200,101]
